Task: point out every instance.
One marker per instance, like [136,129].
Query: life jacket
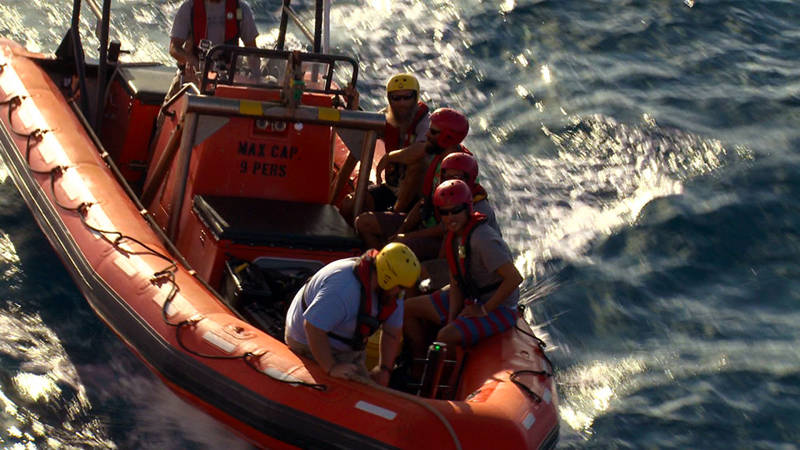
[432,179]
[367,321]
[458,258]
[434,173]
[233,17]
[392,139]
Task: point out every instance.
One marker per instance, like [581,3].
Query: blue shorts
[474,329]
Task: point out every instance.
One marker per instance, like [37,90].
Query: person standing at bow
[482,297]
[333,315]
[219,21]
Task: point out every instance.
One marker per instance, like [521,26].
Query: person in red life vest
[420,229]
[464,167]
[404,136]
[481,299]
[339,307]
[219,21]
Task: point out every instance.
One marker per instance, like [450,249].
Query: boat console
[242,167]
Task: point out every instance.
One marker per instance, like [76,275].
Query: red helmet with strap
[453,126]
[463,162]
[452,193]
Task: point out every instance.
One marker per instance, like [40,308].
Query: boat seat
[264,222]
[148,84]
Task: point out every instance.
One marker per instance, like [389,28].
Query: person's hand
[381,375]
[352,95]
[343,370]
[191,71]
[381,167]
[473,310]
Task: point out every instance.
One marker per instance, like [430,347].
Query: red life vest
[458,258]
[432,178]
[392,139]
[433,174]
[233,14]
[367,322]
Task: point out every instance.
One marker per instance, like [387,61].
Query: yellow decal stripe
[330,114]
[250,108]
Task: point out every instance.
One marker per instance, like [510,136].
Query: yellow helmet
[402,82]
[397,265]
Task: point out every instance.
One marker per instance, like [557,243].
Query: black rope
[540,343]
[116,239]
[513,377]
[248,359]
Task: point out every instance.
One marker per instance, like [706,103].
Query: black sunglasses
[397,97]
[451,211]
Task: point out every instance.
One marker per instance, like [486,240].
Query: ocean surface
[644,161]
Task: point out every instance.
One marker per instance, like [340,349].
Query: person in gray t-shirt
[227,21]
[482,297]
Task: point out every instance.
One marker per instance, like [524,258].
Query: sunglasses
[397,97]
[451,211]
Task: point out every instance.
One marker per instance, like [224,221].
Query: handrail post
[367,153]
[284,23]
[102,69]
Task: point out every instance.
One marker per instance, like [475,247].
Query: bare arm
[323,354]
[390,347]
[178,50]
[412,154]
[511,280]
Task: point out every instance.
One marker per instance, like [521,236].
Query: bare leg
[370,230]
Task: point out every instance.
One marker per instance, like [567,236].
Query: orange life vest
[392,139]
[433,174]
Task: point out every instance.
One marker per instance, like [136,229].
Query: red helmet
[452,193]
[453,126]
[464,162]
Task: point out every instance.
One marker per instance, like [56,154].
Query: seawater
[643,160]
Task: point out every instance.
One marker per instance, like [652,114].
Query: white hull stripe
[217,341]
[376,410]
[529,421]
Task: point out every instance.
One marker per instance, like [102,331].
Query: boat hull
[205,353]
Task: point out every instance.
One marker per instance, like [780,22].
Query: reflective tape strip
[376,410]
[282,376]
[75,188]
[217,341]
[125,266]
[250,108]
[547,396]
[529,421]
[330,114]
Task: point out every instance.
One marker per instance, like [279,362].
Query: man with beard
[420,228]
[336,311]
[407,122]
